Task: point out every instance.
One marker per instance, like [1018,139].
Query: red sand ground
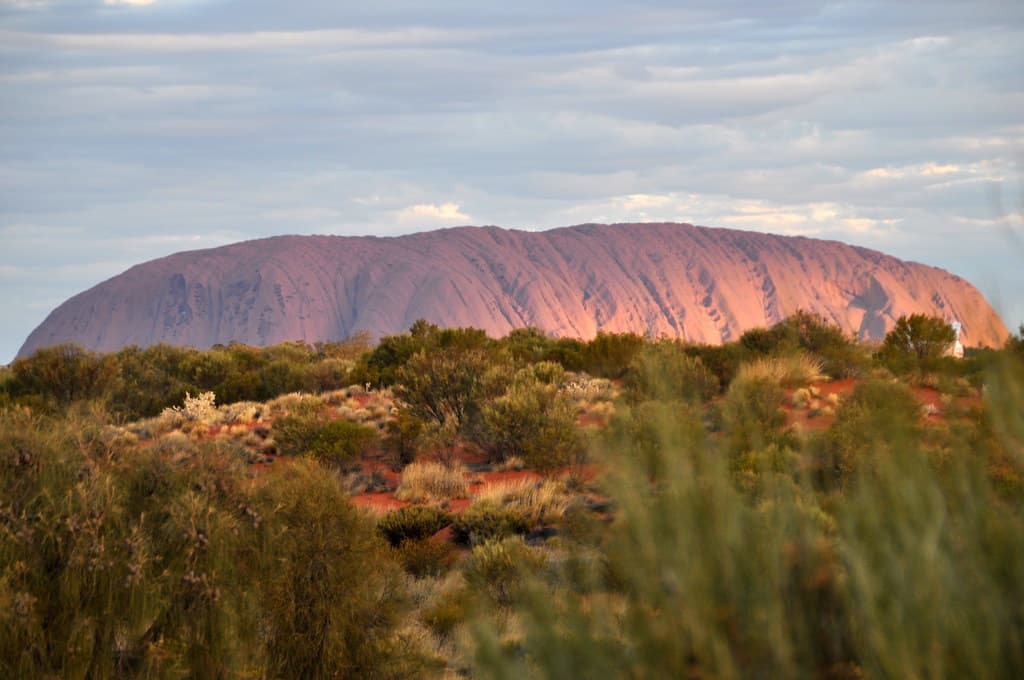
[927,396]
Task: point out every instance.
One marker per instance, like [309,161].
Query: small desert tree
[916,341]
[442,384]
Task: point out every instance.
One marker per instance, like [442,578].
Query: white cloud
[444,213]
[645,201]
[137,3]
[337,38]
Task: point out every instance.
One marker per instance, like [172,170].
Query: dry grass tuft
[801,398]
[429,481]
[511,464]
[793,370]
[538,502]
[240,412]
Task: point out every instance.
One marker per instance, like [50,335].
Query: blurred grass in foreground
[731,560]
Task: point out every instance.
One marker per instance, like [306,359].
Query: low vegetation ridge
[675,280]
[447,504]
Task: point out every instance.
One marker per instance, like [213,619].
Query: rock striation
[698,283]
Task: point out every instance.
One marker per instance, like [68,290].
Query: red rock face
[697,283]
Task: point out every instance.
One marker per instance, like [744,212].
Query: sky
[132,129]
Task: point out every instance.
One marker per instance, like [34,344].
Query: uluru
[678,280]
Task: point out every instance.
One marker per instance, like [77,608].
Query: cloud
[430,212]
[645,201]
[138,3]
[882,124]
[338,38]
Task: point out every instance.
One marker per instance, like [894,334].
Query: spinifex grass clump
[537,502]
[428,481]
[789,370]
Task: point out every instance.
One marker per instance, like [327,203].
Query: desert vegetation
[445,504]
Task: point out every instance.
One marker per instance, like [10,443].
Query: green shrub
[533,421]
[917,341]
[426,556]
[839,354]
[880,416]
[752,415]
[608,355]
[484,521]
[107,550]
[569,352]
[527,344]
[295,433]
[446,613]
[61,375]
[665,371]
[401,442]
[413,522]
[332,599]
[339,443]
[640,433]
[306,430]
[496,568]
[443,384]
[383,364]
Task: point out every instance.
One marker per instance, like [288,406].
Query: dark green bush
[722,360]
[484,521]
[841,356]
[333,442]
[413,522]
[401,441]
[137,383]
[568,352]
[382,364]
[608,354]
[878,418]
[443,384]
[339,443]
[916,342]
[294,433]
[527,344]
[426,556]
[61,375]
